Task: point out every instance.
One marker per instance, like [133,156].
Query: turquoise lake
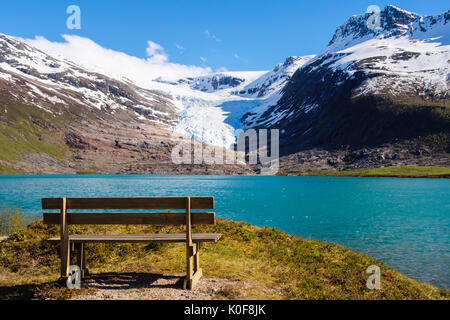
[404,223]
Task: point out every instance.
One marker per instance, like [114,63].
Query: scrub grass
[282,265]
[400,172]
[12,220]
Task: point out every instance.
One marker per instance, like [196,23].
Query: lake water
[404,223]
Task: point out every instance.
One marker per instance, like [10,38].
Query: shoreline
[318,173]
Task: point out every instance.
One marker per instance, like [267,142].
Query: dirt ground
[144,286]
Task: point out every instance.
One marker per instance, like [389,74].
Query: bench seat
[76,242]
[139,238]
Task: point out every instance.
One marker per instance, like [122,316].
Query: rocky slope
[273,81]
[30,76]
[216,82]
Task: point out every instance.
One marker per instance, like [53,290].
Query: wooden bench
[188,218]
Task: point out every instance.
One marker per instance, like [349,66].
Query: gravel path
[143,286]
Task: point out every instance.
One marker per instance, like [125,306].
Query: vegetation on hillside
[27,129]
[7,170]
[280,266]
[400,172]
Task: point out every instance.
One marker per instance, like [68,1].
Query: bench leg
[81,259]
[197,270]
[65,259]
[193,273]
[189,270]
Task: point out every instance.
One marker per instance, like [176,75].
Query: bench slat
[157,218]
[129,203]
[140,238]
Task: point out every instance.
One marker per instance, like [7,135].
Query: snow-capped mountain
[221,81]
[394,22]
[368,86]
[273,81]
[256,84]
[53,84]
[329,100]
[206,108]
[412,48]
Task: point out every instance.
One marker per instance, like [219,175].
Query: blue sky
[237,35]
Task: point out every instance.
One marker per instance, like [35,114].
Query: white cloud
[156,53]
[86,52]
[236,56]
[203,59]
[210,35]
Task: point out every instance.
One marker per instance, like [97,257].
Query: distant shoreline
[426,172]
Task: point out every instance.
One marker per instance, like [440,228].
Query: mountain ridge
[367,89]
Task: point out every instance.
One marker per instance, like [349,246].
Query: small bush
[12,220]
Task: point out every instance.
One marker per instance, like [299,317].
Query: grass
[87,171]
[280,266]
[11,221]
[7,170]
[400,172]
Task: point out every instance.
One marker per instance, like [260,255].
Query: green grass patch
[400,172]
[407,171]
[417,102]
[26,129]
[87,171]
[8,170]
[280,266]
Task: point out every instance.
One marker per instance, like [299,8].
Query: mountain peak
[393,22]
[394,10]
[396,19]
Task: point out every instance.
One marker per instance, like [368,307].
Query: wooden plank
[65,245]
[108,218]
[195,278]
[129,203]
[140,238]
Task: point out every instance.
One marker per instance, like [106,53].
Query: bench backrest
[157,218]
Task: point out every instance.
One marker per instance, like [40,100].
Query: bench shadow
[109,281]
[132,280]
[21,292]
